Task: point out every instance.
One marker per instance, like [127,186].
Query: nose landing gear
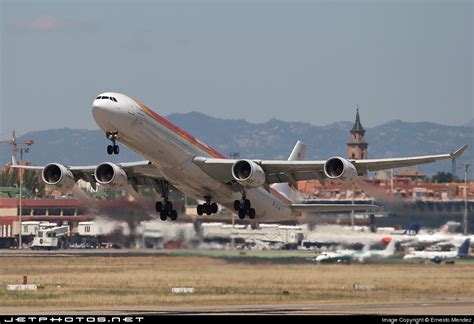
[112,149]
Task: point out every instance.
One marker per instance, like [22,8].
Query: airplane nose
[99,109]
[109,115]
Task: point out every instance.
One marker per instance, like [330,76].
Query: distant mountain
[470,123]
[273,139]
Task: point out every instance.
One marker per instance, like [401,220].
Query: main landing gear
[244,208]
[165,208]
[112,149]
[207,208]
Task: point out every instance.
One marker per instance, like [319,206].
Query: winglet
[458,152]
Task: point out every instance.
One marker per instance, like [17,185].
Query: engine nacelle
[58,176]
[248,173]
[340,170]
[111,175]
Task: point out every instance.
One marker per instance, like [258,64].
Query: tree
[443,177]
[8,179]
[31,181]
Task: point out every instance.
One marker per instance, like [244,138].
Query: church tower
[357,148]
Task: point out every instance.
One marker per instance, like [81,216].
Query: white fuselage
[430,255]
[172,151]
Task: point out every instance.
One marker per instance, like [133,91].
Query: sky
[310,61]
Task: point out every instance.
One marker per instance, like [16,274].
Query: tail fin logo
[412,230]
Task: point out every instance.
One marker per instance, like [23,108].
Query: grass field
[148,280]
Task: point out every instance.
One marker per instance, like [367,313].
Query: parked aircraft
[439,256]
[423,239]
[174,158]
[364,255]
[367,255]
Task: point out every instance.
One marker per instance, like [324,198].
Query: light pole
[466,167]
[22,150]
[353,203]
[14,143]
[234,155]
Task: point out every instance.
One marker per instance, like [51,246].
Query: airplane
[439,256]
[367,255]
[348,255]
[255,188]
[340,256]
[444,234]
[349,235]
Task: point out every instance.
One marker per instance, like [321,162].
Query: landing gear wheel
[247,204]
[199,210]
[242,214]
[237,205]
[251,213]
[163,215]
[159,206]
[113,137]
[168,205]
[173,215]
[214,208]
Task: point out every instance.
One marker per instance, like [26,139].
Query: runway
[445,308]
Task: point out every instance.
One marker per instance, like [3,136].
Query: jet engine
[111,175]
[58,176]
[248,173]
[340,170]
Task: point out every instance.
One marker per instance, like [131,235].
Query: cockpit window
[106,97]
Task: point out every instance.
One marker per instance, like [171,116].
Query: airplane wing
[383,164]
[280,171]
[139,173]
[276,171]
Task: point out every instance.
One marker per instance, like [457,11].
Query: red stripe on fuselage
[179,131]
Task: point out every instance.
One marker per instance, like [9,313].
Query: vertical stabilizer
[391,248]
[289,189]
[298,152]
[464,248]
[412,230]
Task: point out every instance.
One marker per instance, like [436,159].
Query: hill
[273,139]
